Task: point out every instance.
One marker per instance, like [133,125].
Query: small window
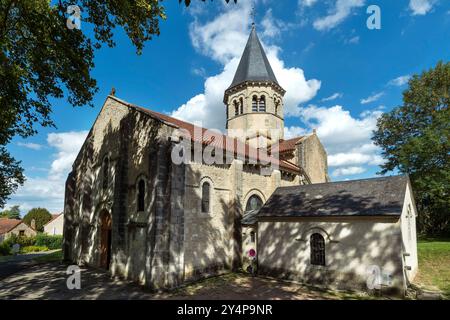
[22,233]
[252,237]
[255,104]
[317,243]
[141,195]
[206,197]
[241,105]
[105,173]
[277,103]
[254,203]
[236,108]
[262,104]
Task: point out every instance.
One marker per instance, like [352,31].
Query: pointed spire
[254,64]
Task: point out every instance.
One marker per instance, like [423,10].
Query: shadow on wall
[352,245]
[154,245]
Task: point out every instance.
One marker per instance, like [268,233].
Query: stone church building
[162,202]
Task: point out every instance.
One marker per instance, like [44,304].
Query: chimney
[33,224]
[314,131]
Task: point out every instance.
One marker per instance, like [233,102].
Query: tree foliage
[415,138]
[40,216]
[41,58]
[13,213]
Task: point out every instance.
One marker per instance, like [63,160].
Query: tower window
[255,104]
[205,197]
[141,195]
[317,247]
[241,105]
[105,173]
[236,108]
[262,104]
[277,103]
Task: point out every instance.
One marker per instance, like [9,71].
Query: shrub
[52,242]
[5,249]
[30,249]
[22,241]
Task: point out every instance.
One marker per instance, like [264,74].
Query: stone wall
[352,245]
[312,157]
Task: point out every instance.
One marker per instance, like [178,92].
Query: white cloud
[48,191]
[421,7]
[336,15]
[372,98]
[223,39]
[334,96]
[353,40]
[399,81]
[30,145]
[348,171]
[307,3]
[292,132]
[347,139]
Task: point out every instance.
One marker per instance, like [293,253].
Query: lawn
[434,264]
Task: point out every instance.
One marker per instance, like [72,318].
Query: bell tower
[254,100]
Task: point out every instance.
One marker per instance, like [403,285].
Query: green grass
[434,264]
[51,257]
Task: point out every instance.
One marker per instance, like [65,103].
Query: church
[164,202]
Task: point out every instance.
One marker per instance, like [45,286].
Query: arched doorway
[105,239]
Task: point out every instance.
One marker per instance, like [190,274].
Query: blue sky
[339,77]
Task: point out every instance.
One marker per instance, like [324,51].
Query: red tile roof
[7,225]
[285,145]
[220,141]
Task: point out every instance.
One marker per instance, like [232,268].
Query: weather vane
[253,13]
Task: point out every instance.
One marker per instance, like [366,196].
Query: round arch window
[254,203]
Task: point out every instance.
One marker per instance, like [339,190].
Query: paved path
[48,281]
[19,262]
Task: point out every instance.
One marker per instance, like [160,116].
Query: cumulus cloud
[399,81]
[48,191]
[421,7]
[223,39]
[30,145]
[307,3]
[348,171]
[334,96]
[347,139]
[372,98]
[341,10]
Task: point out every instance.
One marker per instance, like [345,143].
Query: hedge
[51,242]
[29,249]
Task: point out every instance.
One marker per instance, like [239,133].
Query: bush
[30,249]
[5,249]
[22,241]
[52,242]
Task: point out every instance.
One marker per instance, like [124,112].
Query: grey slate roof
[254,64]
[250,217]
[369,197]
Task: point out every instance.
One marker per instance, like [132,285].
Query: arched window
[242,105]
[255,104]
[317,243]
[236,108]
[277,103]
[252,237]
[262,104]
[254,203]
[141,195]
[206,193]
[105,173]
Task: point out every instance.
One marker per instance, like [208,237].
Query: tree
[40,216]
[13,213]
[42,58]
[414,139]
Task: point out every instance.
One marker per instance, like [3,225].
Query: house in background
[55,226]
[347,235]
[14,226]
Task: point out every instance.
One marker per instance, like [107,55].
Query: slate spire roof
[254,64]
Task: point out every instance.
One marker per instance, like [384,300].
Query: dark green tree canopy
[13,213]
[40,216]
[42,58]
[415,140]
